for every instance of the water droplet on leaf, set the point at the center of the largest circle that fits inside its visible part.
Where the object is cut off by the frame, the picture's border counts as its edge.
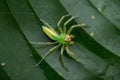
(92, 17)
(3, 64)
(92, 34)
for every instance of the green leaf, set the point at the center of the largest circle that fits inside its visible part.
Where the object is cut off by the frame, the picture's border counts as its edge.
(96, 46)
(27, 21)
(110, 9)
(15, 54)
(106, 37)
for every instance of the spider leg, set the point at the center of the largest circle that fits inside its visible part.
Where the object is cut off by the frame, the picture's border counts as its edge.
(74, 26)
(46, 24)
(60, 21)
(48, 53)
(71, 54)
(69, 20)
(63, 63)
(46, 43)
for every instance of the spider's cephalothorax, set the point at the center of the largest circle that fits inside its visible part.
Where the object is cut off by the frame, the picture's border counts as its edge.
(61, 40)
(65, 39)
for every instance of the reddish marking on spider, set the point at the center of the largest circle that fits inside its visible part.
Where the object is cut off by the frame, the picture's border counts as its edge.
(68, 38)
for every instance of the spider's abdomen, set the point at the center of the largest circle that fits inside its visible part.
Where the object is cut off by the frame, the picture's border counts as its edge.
(51, 33)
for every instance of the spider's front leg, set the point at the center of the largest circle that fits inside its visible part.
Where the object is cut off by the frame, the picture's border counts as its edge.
(48, 53)
(60, 21)
(67, 22)
(75, 26)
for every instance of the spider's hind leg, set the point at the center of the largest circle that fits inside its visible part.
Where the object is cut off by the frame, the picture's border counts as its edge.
(63, 63)
(46, 24)
(48, 53)
(44, 43)
(71, 54)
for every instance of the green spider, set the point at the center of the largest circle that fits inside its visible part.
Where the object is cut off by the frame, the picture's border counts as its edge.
(60, 40)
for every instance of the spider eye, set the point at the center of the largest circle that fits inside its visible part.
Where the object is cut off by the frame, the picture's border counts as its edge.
(68, 38)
